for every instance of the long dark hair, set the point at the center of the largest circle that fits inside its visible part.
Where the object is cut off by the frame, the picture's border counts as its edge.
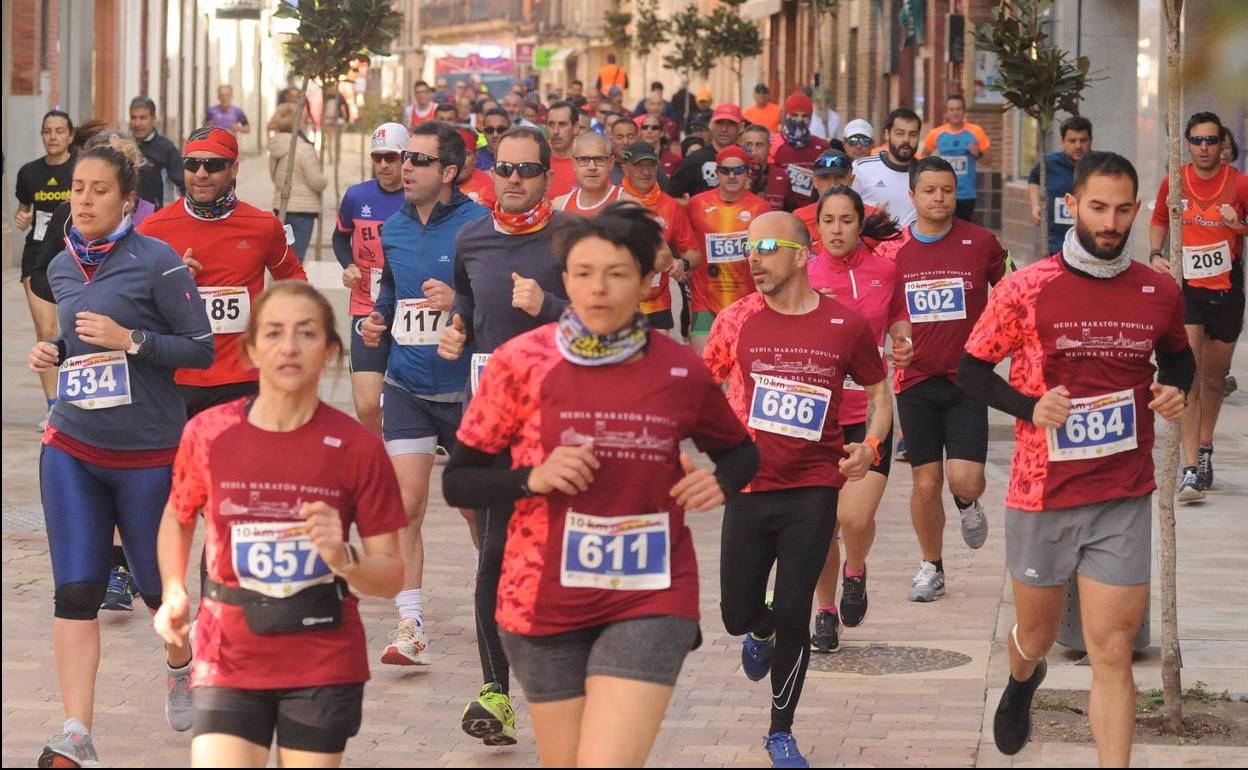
(879, 226)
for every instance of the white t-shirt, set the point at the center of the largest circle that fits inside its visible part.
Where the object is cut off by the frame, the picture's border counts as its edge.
(830, 131)
(885, 187)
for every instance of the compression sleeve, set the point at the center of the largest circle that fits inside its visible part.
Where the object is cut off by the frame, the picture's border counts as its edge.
(342, 248)
(474, 479)
(735, 467)
(1177, 369)
(977, 378)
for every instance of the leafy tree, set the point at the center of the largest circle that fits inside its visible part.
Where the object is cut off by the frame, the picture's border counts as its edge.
(333, 36)
(691, 52)
(649, 32)
(732, 37)
(1036, 77)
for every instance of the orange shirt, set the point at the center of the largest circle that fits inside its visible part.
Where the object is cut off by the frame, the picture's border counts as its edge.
(768, 116)
(1210, 246)
(723, 277)
(480, 187)
(680, 239)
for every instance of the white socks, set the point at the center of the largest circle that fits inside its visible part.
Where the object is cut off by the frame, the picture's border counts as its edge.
(408, 604)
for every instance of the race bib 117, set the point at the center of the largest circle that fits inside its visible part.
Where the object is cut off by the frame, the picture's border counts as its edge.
(417, 322)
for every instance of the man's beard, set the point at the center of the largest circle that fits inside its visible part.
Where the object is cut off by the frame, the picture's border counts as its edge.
(896, 151)
(1088, 241)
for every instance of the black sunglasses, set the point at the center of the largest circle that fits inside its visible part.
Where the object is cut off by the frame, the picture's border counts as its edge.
(388, 157)
(419, 159)
(525, 170)
(858, 140)
(732, 170)
(494, 130)
(1199, 140)
(214, 165)
(651, 127)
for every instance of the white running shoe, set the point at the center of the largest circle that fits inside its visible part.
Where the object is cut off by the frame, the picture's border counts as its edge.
(928, 584)
(408, 645)
(974, 525)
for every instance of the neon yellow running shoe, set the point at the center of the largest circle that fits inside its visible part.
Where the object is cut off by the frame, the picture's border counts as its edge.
(490, 717)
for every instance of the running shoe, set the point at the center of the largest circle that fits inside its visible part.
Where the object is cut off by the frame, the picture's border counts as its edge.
(119, 596)
(928, 583)
(1011, 727)
(899, 453)
(1204, 468)
(974, 525)
(756, 655)
(71, 747)
(408, 645)
(783, 750)
(854, 599)
(440, 455)
(490, 717)
(825, 639)
(179, 710)
(1189, 487)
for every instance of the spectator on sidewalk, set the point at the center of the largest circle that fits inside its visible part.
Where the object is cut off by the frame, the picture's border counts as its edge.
(609, 75)
(306, 184)
(162, 171)
(225, 115)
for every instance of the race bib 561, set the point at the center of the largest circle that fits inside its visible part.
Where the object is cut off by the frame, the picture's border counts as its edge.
(95, 380)
(277, 560)
(940, 299)
(725, 247)
(788, 407)
(618, 553)
(1097, 426)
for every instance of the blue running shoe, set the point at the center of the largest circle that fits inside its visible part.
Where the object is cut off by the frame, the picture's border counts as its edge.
(120, 592)
(783, 750)
(756, 655)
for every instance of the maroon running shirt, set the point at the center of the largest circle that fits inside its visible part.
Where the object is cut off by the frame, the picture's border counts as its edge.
(785, 377)
(944, 288)
(251, 484)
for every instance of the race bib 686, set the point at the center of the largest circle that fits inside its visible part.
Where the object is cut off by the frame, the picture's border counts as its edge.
(788, 407)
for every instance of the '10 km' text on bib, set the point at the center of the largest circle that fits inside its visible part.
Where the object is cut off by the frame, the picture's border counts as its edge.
(417, 322)
(788, 407)
(1097, 426)
(618, 553)
(725, 247)
(95, 380)
(278, 559)
(228, 308)
(940, 299)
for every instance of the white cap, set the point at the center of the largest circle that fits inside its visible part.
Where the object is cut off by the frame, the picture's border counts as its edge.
(390, 137)
(859, 127)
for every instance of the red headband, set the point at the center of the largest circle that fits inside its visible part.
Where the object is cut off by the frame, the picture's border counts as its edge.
(218, 141)
(733, 151)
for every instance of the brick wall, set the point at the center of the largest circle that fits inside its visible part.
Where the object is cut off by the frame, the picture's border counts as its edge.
(105, 76)
(26, 22)
(51, 42)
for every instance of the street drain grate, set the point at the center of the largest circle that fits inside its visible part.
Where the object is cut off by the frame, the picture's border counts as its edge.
(885, 659)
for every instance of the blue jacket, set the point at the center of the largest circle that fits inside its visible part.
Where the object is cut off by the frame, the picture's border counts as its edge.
(416, 252)
(1059, 179)
(142, 285)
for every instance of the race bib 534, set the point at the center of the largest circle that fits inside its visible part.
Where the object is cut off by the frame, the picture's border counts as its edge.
(95, 380)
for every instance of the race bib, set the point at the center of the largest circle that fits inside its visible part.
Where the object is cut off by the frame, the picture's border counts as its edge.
(1097, 426)
(479, 360)
(725, 247)
(290, 235)
(95, 380)
(374, 283)
(616, 553)
(788, 407)
(417, 322)
(42, 218)
(940, 299)
(1061, 214)
(801, 179)
(1206, 261)
(959, 163)
(277, 560)
(228, 308)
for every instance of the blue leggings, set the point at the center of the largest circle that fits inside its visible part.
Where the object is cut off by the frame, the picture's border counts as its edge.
(82, 503)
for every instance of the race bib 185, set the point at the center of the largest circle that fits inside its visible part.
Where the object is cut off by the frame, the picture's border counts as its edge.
(276, 560)
(725, 247)
(417, 322)
(940, 299)
(228, 308)
(618, 553)
(788, 407)
(1206, 261)
(95, 380)
(1097, 426)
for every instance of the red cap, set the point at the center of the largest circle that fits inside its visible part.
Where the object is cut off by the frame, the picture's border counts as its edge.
(215, 140)
(469, 135)
(727, 111)
(798, 102)
(733, 151)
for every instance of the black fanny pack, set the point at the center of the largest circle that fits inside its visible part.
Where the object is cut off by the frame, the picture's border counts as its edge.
(315, 608)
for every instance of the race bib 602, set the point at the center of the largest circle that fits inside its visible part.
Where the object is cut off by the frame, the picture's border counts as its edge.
(940, 299)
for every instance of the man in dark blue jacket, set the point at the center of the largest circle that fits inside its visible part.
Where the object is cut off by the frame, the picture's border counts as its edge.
(1059, 169)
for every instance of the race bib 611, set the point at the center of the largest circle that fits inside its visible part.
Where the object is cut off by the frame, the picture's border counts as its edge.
(277, 560)
(940, 299)
(618, 553)
(788, 407)
(1097, 426)
(725, 247)
(95, 380)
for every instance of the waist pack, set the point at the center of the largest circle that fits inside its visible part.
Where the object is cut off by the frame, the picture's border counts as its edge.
(315, 608)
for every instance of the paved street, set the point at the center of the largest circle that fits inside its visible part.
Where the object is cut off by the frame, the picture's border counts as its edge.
(900, 714)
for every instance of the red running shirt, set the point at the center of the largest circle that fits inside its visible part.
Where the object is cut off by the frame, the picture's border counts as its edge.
(565, 177)
(723, 277)
(480, 187)
(225, 465)
(531, 401)
(943, 286)
(1096, 337)
(753, 346)
(680, 239)
(572, 202)
(1203, 226)
(235, 252)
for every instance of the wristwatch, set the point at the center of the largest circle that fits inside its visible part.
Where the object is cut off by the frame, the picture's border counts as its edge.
(1156, 253)
(874, 443)
(353, 560)
(137, 338)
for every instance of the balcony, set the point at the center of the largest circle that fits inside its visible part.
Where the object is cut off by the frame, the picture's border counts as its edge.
(444, 13)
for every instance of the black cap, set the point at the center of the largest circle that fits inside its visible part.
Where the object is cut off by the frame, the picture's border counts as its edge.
(833, 163)
(639, 151)
(762, 88)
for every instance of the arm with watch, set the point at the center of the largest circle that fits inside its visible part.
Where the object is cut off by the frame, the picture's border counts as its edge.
(377, 572)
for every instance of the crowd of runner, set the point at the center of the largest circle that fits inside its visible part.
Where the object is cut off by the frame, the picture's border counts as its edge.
(555, 295)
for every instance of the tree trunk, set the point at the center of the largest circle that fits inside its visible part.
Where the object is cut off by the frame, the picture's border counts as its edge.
(294, 145)
(1171, 660)
(1042, 232)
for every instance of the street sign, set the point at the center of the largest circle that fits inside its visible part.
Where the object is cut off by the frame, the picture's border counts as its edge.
(524, 54)
(542, 57)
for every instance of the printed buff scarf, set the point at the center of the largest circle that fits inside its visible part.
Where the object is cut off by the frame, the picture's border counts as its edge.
(1078, 257)
(525, 222)
(579, 345)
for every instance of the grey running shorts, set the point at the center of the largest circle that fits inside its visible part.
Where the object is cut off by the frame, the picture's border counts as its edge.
(1110, 542)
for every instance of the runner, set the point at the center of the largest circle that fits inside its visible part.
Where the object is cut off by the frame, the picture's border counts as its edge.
(641, 183)
(943, 272)
(864, 280)
(1059, 179)
(560, 121)
(883, 180)
(226, 115)
(650, 129)
(1215, 204)
(785, 353)
(622, 132)
(279, 565)
(963, 144)
(423, 396)
(357, 247)
(472, 181)
(228, 244)
(697, 172)
(798, 150)
(578, 425)
(859, 136)
(507, 282)
(1080, 329)
(769, 181)
(765, 112)
(831, 169)
(494, 123)
(720, 218)
(593, 161)
(127, 323)
(162, 170)
(422, 108)
(42, 185)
